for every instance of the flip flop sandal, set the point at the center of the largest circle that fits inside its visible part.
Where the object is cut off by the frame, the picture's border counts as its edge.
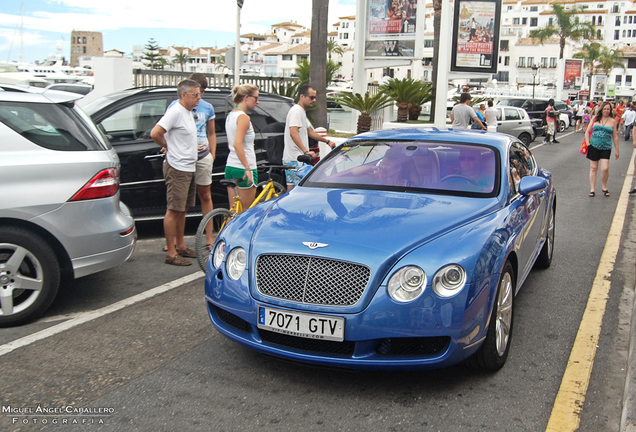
(187, 253)
(177, 261)
(591, 194)
(606, 193)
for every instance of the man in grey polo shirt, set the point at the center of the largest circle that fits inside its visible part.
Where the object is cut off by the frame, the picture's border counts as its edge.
(463, 112)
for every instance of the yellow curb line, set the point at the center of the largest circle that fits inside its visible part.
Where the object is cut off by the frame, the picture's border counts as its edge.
(571, 396)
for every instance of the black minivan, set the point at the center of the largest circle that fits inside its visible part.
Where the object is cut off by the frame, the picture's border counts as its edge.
(536, 108)
(127, 117)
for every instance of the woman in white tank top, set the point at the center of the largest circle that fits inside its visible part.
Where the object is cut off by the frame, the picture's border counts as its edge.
(241, 161)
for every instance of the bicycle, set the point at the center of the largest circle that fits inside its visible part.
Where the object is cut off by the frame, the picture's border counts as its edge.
(217, 219)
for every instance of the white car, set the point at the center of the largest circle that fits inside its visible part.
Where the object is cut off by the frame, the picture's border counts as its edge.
(60, 214)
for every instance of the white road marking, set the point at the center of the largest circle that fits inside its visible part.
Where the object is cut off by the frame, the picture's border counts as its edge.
(84, 317)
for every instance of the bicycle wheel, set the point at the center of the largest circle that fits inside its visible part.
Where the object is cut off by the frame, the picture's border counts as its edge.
(279, 189)
(214, 221)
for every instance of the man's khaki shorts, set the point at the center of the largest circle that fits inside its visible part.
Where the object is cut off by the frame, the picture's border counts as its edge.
(180, 188)
(203, 174)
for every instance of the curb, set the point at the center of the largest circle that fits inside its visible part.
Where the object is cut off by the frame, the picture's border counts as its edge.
(628, 417)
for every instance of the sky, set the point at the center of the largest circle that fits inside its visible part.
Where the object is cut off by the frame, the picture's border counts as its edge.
(47, 24)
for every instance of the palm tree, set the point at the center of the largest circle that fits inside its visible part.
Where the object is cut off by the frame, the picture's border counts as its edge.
(567, 26)
(404, 92)
(366, 105)
(599, 58)
(180, 59)
(424, 95)
(334, 48)
(318, 53)
(220, 63)
(304, 69)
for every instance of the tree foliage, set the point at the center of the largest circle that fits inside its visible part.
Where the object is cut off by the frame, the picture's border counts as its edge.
(567, 26)
(303, 69)
(404, 92)
(334, 48)
(151, 54)
(366, 105)
(180, 59)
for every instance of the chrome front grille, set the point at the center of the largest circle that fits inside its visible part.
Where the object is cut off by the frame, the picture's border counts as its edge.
(311, 280)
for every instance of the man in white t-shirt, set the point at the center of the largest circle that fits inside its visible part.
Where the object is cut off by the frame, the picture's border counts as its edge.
(298, 129)
(176, 131)
(462, 113)
(491, 116)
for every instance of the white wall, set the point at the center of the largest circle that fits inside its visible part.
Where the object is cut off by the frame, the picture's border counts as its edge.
(111, 75)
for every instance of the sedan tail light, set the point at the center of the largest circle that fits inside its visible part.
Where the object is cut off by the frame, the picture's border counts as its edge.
(103, 185)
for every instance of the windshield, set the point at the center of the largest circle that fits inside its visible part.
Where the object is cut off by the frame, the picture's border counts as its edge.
(413, 166)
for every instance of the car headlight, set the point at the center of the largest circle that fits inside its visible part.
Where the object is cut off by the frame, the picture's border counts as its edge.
(219, 254)
(449, 280)
(407, 284)
(236, 262)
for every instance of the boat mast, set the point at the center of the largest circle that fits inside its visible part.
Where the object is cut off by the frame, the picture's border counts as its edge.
(21, 32)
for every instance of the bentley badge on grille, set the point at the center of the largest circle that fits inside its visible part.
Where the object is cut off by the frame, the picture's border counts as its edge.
(314, 245)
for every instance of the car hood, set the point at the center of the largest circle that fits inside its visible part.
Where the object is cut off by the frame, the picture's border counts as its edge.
(350, 225)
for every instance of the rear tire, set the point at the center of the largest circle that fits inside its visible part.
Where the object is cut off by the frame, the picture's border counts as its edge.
(29, 276)
(279, 188)
(544, 260)
(525, 138)
(217, 219)
(493, 353)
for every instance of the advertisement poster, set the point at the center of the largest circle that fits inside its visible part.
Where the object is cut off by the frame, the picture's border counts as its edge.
(573, 74)
(599, 87)
(391, 28)
(476, 36)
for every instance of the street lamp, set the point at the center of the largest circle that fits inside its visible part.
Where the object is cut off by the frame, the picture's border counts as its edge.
(535, 69)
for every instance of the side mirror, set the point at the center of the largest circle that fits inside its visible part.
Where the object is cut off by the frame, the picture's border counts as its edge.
(532, 185)
(303, 171)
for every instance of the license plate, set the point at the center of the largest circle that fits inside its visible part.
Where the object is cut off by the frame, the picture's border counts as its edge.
(312, 326)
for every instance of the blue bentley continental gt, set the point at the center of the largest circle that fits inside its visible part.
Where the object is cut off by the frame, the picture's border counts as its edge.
(402, 249)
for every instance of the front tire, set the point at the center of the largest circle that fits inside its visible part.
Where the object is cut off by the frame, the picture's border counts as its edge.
(210, 226)
(29, 276)
(493, 353)
(561, 126)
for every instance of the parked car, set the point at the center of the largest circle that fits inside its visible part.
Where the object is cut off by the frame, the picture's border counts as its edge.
(81, 89)
(516, 122)
(127, 117)
(536, 109)
(60, 214)
(401, 249)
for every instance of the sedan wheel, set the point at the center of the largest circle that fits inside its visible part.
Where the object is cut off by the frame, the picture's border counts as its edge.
(526, 139)
(29, 276)
(545, 256)
(561, 126)
(494, 351)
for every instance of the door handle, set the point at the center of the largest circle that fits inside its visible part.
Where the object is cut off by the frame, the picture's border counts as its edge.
(155, 156)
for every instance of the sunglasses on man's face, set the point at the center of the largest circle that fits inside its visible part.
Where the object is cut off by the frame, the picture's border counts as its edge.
(310, 97)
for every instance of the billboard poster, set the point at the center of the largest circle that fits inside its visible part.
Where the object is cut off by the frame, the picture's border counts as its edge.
(573, 74)
(599, 87)
(391, 28)
(476, 36)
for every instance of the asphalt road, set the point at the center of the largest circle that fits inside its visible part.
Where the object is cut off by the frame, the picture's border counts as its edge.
(157, 364)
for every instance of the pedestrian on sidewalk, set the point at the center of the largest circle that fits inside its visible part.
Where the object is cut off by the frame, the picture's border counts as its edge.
(628, 119)
(620, 109)
(600, 136)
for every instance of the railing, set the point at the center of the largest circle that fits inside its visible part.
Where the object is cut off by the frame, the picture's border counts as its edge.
(159, 78)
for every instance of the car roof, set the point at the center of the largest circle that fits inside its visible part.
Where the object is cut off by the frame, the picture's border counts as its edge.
(433, 134)
(52, 96)
(101, 102)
